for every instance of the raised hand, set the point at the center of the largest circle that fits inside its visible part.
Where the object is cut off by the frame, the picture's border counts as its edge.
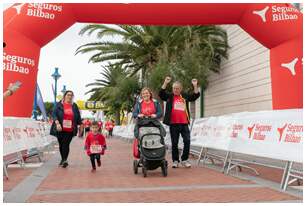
(194, 82)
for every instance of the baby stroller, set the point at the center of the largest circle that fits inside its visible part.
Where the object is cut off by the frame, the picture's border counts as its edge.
(151, 146)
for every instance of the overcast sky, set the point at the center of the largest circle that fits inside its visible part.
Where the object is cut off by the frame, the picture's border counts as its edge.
(75, 70)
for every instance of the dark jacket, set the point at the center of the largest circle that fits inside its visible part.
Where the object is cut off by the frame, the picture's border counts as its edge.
(168, 97)
(58, 114)
(137, 109)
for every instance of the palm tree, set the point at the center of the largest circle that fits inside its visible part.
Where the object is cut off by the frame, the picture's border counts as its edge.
(142, 47)
(115, 90)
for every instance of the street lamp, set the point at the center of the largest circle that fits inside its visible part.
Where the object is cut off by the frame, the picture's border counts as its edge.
(55, 76)
(64, 89)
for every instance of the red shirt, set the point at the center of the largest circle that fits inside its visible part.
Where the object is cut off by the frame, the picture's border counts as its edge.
(109, 125)
(68, 118)
(179, 111)
(100, 124)
(147, 108)
(87, 123)
(92, 139)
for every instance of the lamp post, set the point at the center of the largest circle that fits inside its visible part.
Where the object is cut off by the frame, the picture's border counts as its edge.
(64, 89)
(34, 113)
(55, 76)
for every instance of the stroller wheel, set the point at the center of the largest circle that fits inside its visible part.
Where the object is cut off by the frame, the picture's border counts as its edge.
(144, 171)
(135, 166)
(164, 167)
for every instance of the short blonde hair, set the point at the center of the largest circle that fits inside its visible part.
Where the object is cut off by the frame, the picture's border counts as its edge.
(147, 89)
(177, 83)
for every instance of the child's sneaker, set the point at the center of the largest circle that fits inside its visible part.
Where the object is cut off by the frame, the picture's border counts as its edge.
(93, 169)
(99, 163)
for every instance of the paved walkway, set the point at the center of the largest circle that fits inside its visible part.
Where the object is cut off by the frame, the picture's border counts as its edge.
(116, 182)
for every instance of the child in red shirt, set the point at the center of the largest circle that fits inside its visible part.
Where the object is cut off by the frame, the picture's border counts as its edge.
(95, 145)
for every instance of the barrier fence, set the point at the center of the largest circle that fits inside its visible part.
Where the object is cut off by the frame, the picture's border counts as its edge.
(24, 137)
(275, 134)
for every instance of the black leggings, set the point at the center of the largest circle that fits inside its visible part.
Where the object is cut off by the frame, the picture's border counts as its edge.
(64, 139)
(93, 157)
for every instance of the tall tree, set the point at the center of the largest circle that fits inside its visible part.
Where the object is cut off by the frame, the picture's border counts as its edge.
(116, 89)
(142, 48)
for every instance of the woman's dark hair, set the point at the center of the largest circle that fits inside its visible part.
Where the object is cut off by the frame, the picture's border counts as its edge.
(66, 92)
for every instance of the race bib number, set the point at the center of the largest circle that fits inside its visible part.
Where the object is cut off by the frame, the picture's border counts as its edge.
(95, 149)
(179, 106)
(67, 124)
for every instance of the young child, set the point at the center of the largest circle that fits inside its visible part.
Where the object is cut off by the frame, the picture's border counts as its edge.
(95, 145)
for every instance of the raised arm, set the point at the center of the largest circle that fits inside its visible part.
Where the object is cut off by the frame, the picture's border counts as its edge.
(196, 93)
(162, 93)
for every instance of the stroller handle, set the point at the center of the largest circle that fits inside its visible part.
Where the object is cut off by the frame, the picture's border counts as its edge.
(146, 117)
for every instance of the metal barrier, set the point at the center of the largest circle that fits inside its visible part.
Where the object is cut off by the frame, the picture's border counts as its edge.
(21, 155)
(296, 174)
(230, 162)
(12, 158)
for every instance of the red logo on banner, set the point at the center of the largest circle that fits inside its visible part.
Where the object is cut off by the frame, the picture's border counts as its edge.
(258, 130)
(292, 133)
(250, 129)
(281, 131)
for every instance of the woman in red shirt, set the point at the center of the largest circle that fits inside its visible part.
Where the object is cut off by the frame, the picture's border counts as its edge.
(66, 118)
(145, 107)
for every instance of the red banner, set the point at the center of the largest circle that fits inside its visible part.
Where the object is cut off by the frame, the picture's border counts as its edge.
(29, 26)
(20, 64)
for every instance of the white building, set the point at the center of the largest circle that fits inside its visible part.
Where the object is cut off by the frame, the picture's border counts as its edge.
(244, 83)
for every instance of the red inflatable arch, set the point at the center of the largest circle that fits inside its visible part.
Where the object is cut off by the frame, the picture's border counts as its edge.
(30, 26)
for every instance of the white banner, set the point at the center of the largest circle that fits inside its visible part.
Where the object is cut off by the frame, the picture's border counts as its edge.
(273, 134)
(276, 134)
(23, 134)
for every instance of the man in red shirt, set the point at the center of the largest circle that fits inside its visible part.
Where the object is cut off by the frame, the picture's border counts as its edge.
(177, 117)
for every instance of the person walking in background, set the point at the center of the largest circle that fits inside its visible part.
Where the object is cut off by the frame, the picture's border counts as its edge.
(100, 125)
(95, 145)
(109, 126)
(66, 118)
(177, 116)
(87, 124)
